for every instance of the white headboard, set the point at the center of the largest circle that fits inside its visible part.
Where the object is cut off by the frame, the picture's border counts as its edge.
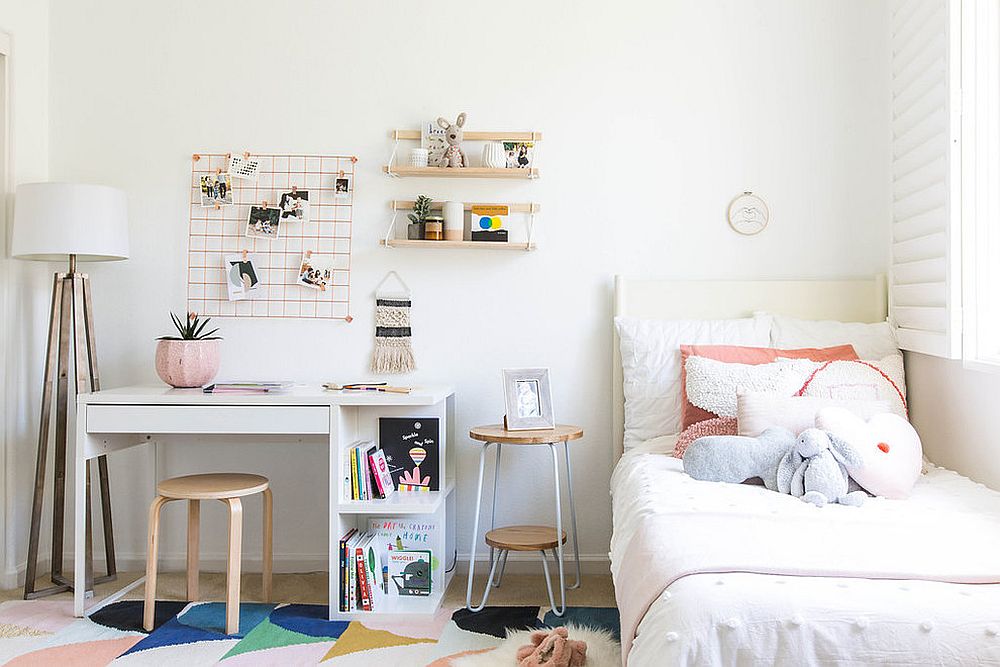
(863, 300)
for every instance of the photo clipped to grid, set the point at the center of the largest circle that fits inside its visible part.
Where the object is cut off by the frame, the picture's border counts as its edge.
(279, 227)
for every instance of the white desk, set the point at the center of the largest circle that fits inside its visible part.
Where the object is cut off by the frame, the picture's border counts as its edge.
(111, 420)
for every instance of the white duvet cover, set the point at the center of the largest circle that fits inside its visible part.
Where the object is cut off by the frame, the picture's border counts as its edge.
(749, 619)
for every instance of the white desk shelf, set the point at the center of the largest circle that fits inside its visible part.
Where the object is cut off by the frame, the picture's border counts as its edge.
(117, 419)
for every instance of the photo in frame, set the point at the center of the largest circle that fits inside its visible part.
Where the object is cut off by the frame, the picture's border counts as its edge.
(528, 399)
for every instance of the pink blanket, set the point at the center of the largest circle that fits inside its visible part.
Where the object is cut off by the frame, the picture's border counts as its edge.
(679, 527)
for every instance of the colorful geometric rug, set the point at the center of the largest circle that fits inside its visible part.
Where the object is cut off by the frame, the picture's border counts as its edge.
(42, 633)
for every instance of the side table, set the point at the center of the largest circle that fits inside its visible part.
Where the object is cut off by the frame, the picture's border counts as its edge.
(524, 538)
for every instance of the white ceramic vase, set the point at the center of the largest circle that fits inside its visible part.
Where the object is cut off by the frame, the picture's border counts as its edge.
(493, 155)
(454, 220)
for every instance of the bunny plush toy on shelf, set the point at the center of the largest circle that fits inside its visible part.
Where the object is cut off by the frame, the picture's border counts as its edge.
(454, 156)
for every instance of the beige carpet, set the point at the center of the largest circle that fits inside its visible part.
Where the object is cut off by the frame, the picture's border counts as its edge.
(596, 590)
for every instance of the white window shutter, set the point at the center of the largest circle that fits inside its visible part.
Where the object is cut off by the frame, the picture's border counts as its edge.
(925, 272)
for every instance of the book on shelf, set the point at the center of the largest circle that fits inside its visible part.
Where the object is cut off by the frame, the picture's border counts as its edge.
(367, 476)
(410, 572)
(403, 534)
(344, 579)
(411, 448)
(380, 474)
(363, 582)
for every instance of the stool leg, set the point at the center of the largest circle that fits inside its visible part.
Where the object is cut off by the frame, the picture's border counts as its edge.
(559, 541)
(194, 536)
(233, 567)
(475, 536)
(572, 513)
(152, 544)
(268, 543)
(548, 585)
(503, 566)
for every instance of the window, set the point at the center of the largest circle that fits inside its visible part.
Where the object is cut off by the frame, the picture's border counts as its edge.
(980, 48)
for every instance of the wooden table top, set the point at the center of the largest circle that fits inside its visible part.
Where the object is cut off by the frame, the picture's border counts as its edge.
(497, 433)
(524, 538)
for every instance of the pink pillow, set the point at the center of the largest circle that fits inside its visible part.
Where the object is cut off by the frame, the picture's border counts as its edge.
(754, 356)
(716, 426)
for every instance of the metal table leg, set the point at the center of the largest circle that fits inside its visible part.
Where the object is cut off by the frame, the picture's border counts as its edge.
(475, 533)
(572, 511)
(559, 542)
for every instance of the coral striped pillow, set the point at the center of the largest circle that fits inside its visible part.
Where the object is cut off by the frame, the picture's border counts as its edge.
(753, 356)
(716, 426)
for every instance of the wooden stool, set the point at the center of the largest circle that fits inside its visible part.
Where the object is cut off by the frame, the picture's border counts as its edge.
(502, 541)
(229, 488)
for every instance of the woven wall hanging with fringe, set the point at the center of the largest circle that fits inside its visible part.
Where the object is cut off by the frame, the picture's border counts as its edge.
(393, 350)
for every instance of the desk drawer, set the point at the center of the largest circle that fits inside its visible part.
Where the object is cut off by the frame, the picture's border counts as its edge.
(235, 419)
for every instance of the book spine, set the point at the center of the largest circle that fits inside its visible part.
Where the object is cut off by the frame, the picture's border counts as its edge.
(340, 574)
(363, 473)
(382, 469)
(352, 581)
(373, 465)
(354, 475)
(364, 592)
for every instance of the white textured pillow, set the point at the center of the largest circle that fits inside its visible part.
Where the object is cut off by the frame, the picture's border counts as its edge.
(880, 380)
(870, 341)
(714, 385)
(758, 412)
(651, 365)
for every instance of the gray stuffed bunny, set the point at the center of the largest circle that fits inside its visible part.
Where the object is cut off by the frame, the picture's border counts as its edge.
(815, 469)
(453, 156)
(737, 458)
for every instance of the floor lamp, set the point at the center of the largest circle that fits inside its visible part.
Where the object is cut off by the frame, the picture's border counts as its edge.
(78, 223)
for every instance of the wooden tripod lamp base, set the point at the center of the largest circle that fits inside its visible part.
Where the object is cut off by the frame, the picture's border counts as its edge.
(71, 334)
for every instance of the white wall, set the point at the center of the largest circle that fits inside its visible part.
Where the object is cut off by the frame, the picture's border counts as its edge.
(953, 409)
(655, 115)
(24, 286)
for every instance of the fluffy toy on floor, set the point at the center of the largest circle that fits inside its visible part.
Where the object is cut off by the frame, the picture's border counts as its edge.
(602, 649)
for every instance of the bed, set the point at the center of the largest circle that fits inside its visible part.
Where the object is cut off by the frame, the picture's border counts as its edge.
(709, 573)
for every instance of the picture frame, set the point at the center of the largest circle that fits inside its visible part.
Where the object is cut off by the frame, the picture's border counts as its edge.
(528, 399)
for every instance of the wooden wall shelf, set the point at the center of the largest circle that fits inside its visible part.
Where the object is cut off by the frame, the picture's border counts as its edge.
(407, 205)
(460, 172)
(414, 135)
(476, 245)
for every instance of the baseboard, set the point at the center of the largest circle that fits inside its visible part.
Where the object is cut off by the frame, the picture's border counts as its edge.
(518, 563)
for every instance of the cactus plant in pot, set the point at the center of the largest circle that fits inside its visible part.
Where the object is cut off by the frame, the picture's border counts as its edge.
(418, 219)
(190, 359)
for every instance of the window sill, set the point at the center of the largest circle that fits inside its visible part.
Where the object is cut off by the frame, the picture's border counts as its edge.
(982, 365)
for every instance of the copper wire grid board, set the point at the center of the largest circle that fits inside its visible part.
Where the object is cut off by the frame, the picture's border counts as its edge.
(214, 233)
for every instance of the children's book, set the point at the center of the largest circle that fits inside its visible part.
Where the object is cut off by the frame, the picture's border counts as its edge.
(380, 474)
(410, 573)
(344, 581)
(411, 447)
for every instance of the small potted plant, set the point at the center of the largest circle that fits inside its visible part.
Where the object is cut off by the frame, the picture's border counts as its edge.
(418, 219)
(190, 359)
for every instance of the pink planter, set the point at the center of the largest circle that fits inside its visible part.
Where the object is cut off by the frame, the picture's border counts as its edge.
(187, 363)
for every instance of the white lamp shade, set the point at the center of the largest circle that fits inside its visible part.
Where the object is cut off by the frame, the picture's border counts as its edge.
(55, 220)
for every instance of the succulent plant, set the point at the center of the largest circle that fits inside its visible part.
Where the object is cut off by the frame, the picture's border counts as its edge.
(192, 329)
(421, 209)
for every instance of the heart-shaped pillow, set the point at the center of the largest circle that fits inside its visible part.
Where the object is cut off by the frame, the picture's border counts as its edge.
(888, 445)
